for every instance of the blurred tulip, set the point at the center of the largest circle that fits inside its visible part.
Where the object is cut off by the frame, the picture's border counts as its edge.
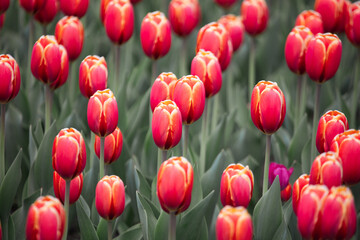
(234, 223)
(310, 19)
(189, 96)
(45, 210)
(135, 1)
(286, 193)
(347, 146)
(282, 172)
(49, 62)
(102, 113)
(69, 32)
(162, 89)
(298, 189)
(207, 67)
(93, 75)
(46, 14)
(330, 124)
(4, 5)
(155, 35)
(236, 185)
(215, 38)
(323, 57)
(255, 16)
(112, 148)
(119, 21)
(2, 20)
(103, 6)
(59, 184)
(110, 197)
(76, 8)
(327, 170)
(69, 153)
(295, 48)
(32, 6)
(0, 232)
(352, 27)
(235, 27)
(184, 15)
(268, 107)
(10, 78)
(333, 13)
(225, 3)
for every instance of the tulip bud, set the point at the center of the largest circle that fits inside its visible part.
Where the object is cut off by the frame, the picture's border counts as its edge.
(268, 107)
(255, 15)
(32, 6)
(353, 24)
(76, 8)
(59, 184)
(225, 3)
(4, 5)
(236, 186)
(103, 6)
(69, 153)
(112, 148)
(330, 124)
(166, 125)
(327, 170)
(162, 89)
(49, 62)
(310, 19)
(207, 67)
(174, 185)
(347, 146)
(333, 13)
(69, 32)
(102, 113)
(110, 197)
(93, 74)
(184, 15)
(234, 25)
(46, 14)
(295, 48)
(286, 193)
(323, 57)
(45, 210)
(234, 223)
(119, 21)
(10, 78)
(189, 96)
(155, 35)
(298, 188)
(215, 38)
(282, 172)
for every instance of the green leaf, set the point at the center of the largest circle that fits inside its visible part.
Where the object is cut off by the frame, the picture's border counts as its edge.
(90, 181)
(33, 147)
(306, 157)
(87, 230)
(162, 226)
(142, 184)
(147, 217)
(102, 229)
(11, 229)
(282, 232)
(299, 140)
(133, 233)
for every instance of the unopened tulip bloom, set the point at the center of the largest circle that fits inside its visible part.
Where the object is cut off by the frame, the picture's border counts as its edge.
(32, 6)
(110, 197)
(327, 170)
(255, 15)
(59, 184)
(298, 188)
(102, 113)
(46, 14)
(282, 172)
(162, 88)
(310, 19)
(334, 14)
(236, 186)
(76, 8)
(225, 3)
(174, 185)
(69, 32)
(45, 219)
(189, 96)
(155, 35)
(103, 6)
(184, 15)
(286, 193)
(112, 148)
(235, 27)
(10, 78)
(50, 62)
(234, 223)
(353, 24)
(295, 48)
(93, 74)
(330, 124)
(347, 146)
(69, 153)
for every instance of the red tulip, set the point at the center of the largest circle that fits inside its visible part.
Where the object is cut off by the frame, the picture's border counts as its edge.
(103, 6)
(295, 48)
(10, 78)
(268, 107)
(255, 15)
(45, 219)
(286, 193)
(0, 232)
(225, 3)
(235, 27)
(330, 124)
(4, 5)
(69, 153)
(333, 13)
(110, 197)
(327, 170)
(2, 20)
(93, 74)
(49, 62)
(298, 189)
(69, 32)
(46, 14)
(276, 169)
(310, 19)
(32, 6)
(112, 148)
(189, 96)
(59, 184)
(174, 185)
(234, 223)
(119, 21)
(353, 24)
(155, 35)
(102, 113)
(76, 8)
(162, 89)
(323, 57)
(135, 1)
(184, 15)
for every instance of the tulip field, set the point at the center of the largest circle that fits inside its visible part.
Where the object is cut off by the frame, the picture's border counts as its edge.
(179, 119)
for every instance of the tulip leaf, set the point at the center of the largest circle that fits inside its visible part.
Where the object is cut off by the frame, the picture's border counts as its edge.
(89, 183)
(162, 226)
(102, 229)
(87, 230)
(299, 140)
(147, 217)
(33, 147)
(142, 184)
(282, 232)
(133, 233)
(306, 160)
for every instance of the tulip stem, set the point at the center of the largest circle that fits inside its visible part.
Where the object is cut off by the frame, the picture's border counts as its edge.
(162, 156)
(215, 111)
(355, 95)
(153, 71)
(102, 143)
(183, 52)
(315, 120)
(303, 96)
(298, 101)
(251, 66)
(44, 29)
(2, 143)
(172, 226)
(48, 106)
(117, 70)
(67, 198)
(71, 83)
(185, 139)
(203, 140)
(109, 230)
(266, 165)
(30, 47)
